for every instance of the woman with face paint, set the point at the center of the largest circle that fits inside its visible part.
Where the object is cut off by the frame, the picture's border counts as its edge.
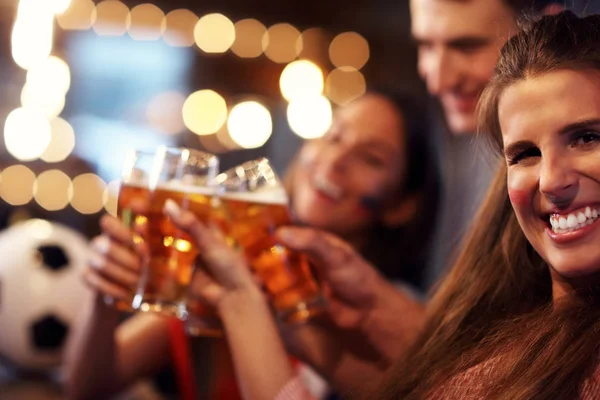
(370, 180)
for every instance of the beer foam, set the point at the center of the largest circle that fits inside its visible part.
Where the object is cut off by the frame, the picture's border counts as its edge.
(175, 186)
(275, 196)
(182, 187)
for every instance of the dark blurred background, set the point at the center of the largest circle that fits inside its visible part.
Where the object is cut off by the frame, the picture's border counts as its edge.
(119, 74)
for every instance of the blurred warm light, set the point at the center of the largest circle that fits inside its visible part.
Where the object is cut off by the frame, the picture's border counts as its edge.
(225, 140)
(180, 26)
(112, 18)
(16, 185)
(80, 15)
(313, 45)
(214, 33)
(110, 197)
(51, 190)
(147, 22)
(349, 49)
(212, 144)
(248, 38)
(309, 117)
(49, 103)
(59, 6)
(52, 75)
(250, 124)
(344, 85)
(301, 78)
(26, 134)
(280, 43)
(87, 193)
(204, 112)
(164, 112)
(62, 141)
(32, 36)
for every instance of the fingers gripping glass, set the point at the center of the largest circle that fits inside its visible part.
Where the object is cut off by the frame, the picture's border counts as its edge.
(184, 176)
(132, 203)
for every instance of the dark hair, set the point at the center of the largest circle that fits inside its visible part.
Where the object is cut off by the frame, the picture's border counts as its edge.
(528, 6)
(401, 252)
(496, 303)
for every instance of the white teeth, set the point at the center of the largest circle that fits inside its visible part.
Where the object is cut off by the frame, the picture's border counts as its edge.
(328, 188)
(562, 223)
(574, 221)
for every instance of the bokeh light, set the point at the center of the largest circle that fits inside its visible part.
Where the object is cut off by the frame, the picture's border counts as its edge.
(212, 143)
(80, 15)
(51, 190)
(32, 36)
(250, 124)
(248, 38)
(280, 43)
(49, 103)
(301, 78)
(59, 6)
(164, 112)
(16, 185)
(180, 26)
(50, 75)
(349, 49)
(147, 22)
(87, 193)
(26, 134)
(110, 198)
(204, 112)
(344, 85)
(313, 45)
(214, 33)
(62, 141)
(112, 18)
(309, 117)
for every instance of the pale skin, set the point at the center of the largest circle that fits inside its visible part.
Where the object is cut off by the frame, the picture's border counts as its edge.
(551, 133)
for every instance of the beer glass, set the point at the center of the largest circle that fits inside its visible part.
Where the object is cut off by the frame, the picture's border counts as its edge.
(256, 204)
(133, 200)
(184, 176)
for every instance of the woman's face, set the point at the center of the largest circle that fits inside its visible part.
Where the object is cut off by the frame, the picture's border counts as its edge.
(361, 156)
(551, 132)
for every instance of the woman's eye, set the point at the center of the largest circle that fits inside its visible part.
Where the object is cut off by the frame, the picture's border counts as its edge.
(524, 155)
(373, 160)
(585, 138)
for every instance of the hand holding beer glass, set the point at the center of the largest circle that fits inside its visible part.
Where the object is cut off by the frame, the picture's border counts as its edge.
(184, 176)
(255, 204)
(133, 203)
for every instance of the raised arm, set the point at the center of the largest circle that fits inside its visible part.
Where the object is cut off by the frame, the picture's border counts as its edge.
(371, 322)
(261, 362)
(104, 356)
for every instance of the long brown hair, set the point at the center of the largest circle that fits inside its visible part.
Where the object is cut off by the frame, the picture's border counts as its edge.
(496, 302)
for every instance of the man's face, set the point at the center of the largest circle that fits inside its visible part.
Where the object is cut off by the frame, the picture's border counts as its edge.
(459, 42)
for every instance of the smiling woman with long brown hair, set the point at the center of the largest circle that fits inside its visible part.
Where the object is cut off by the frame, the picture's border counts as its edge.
(518, 317)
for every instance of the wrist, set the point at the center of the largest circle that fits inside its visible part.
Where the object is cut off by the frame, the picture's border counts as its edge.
(241, 302)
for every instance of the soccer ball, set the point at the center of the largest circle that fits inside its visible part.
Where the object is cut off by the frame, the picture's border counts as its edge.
(41, 291)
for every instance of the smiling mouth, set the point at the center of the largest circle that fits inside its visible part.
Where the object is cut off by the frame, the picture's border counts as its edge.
(572, 221)
(328, 188)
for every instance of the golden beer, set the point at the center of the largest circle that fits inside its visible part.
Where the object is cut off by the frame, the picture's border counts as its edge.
(168, 272)
(252, 219)
(133, 219)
